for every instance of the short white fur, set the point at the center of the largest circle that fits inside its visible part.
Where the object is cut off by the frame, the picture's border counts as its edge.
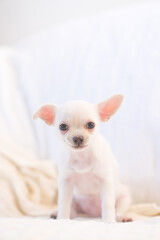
(88, 172)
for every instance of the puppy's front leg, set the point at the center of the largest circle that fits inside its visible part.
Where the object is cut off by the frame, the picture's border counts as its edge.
(108, 201)
(64, 198)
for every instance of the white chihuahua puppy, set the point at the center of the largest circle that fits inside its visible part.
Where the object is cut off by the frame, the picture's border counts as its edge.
(88, 172)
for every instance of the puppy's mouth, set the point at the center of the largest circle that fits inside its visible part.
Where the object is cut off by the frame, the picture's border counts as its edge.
(79, 146)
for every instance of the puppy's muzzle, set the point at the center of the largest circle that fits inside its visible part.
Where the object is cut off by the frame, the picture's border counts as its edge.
(78, 140)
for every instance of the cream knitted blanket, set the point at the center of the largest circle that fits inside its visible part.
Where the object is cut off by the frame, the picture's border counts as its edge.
(27, 186)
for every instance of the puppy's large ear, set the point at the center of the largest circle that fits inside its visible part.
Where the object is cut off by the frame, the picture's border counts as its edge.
(46, 113)
(107, 108)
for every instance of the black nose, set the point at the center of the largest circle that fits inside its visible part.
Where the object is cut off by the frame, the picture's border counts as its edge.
(78, 140)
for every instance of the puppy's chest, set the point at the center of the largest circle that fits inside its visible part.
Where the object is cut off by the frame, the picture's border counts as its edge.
(83, 162)
(84, 173)
(86, 183)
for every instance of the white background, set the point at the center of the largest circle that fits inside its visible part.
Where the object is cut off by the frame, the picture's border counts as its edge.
(20, 18)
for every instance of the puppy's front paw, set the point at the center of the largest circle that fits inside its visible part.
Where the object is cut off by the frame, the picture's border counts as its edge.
(54, 214)
(124, 219)
(127, 219)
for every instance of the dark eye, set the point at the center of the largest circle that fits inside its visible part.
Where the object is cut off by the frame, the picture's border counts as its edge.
(63, 127)
(90, 125)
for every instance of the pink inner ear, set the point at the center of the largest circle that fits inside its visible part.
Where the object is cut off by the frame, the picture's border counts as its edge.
(46, 113)
(109, 107)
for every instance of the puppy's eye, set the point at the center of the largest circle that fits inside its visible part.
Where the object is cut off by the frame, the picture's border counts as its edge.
(63, 127)
(90, 125)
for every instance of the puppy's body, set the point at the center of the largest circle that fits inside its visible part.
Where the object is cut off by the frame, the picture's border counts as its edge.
(88, 172)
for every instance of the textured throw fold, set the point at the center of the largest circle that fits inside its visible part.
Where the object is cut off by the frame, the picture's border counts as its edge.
(27, 186)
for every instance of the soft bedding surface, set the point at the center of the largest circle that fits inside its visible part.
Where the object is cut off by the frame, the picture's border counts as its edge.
(48, 229)
(29, 187)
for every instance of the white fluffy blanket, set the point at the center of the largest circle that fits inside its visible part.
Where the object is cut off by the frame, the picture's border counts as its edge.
(28, 187)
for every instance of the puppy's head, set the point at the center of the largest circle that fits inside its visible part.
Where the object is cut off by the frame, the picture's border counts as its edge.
(77, 122)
